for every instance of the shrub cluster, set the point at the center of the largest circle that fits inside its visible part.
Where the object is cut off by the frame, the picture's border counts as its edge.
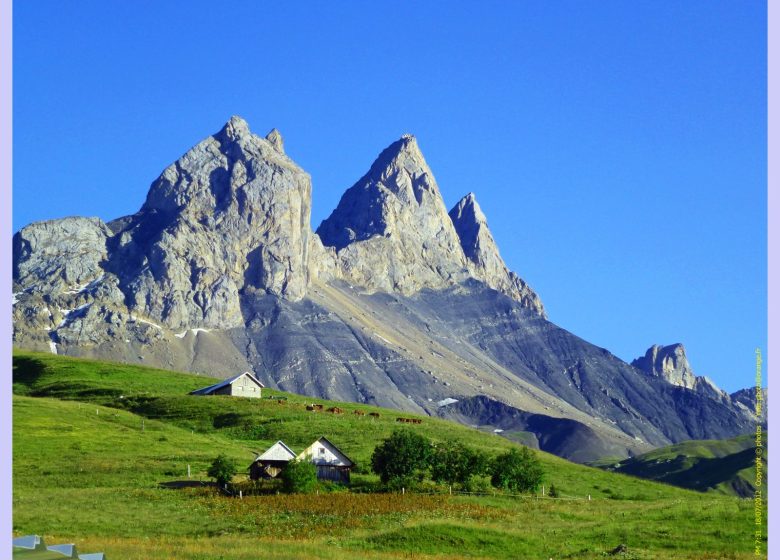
(405, 459)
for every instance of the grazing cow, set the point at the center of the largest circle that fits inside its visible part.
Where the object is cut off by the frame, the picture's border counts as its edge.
(373, 414)
(317, 407)
(335, 410)
(309, 407)
(360, 413)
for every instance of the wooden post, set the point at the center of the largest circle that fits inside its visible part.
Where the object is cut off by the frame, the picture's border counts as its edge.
(143, 425)
(188, 471)
(542, 490)
(588, 497)
(97, 411)
(240, 494)
(450, 490)
(403, 491)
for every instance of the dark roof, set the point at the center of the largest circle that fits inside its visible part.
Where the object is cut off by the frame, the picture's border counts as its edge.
(225, 383)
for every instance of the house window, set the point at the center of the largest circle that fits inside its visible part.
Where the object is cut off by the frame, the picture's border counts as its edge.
(322, 451)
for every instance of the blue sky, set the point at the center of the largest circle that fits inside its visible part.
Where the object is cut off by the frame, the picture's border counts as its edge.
(618, 149)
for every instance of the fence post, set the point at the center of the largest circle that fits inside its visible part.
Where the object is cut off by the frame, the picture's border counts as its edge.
(403, 491)
(240, 494)
(188, 471)
(588, 497)
(450, 490)
(542, 490)
(143, 426)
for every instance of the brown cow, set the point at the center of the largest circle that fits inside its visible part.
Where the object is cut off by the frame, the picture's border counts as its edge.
(374, 414)
(360, 413)
(309, 407)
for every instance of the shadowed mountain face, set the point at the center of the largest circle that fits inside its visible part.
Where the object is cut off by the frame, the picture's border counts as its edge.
(394, 301)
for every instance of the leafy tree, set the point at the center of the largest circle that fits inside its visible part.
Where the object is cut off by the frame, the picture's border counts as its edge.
(519, 471)
(553, 493)
(454, 463)
(222, 469)
(400, 457)
(299, 477)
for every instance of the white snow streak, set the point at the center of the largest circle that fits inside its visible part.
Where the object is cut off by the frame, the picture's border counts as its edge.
(196, 331)
(137, 320)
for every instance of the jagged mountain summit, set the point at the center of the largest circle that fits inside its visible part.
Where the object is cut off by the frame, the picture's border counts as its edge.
(393, 301)
(670, 363)
(482, 255)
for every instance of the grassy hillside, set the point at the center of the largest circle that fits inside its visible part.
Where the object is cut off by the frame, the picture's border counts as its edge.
(722, 466)
(101, 453)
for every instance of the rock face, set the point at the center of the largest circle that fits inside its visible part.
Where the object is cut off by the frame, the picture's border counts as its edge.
(391, 231)
(669, 363)
(231, 215)
(749, 398)
(395, 303)
(481, 250)
(59, 255)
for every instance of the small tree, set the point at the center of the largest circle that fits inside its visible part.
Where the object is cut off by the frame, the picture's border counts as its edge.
(454, 463)
(299, 477)
(553, 493)
(222, 469)
(401, 457)
(519, 471)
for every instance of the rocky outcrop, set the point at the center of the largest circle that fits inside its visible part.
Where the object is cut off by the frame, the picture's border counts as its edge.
(749, 398)
(230, 215)
(669, 363)
(59, 255)
(391, 231)
(481, 251)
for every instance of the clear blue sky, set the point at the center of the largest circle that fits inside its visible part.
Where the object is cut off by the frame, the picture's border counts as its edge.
(618, 149)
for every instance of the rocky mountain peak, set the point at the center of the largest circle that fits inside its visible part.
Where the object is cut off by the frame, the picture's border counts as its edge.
(276, 140)
(481, 251)
(230, 215)
(391, 228)
(235, 129)
(668, 362)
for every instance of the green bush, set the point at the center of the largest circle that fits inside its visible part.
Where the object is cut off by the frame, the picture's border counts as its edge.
(299, 477)
(518, 471)
(454, 463)
(553, 493)
(222, 469)
(401, 459)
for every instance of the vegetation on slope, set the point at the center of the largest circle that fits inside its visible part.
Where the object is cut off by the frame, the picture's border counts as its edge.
(101, 453)
(722, 466)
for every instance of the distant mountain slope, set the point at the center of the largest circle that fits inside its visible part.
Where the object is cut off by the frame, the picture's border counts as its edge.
(723, 466)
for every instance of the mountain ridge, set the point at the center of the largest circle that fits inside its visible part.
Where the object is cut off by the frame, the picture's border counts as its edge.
(392, 301)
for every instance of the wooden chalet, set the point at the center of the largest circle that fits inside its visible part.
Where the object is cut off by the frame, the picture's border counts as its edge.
(243, 385)
(331, 463)
(271, 463)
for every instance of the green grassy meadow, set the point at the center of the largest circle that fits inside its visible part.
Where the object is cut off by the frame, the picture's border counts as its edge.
(720, 466)
(101, 453)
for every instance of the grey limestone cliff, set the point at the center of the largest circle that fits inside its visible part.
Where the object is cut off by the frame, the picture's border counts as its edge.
(391, 231)
(669, 363)
(483, 257)
(230, 215)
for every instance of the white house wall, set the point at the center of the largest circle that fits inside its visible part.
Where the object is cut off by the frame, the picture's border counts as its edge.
(322, 454)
